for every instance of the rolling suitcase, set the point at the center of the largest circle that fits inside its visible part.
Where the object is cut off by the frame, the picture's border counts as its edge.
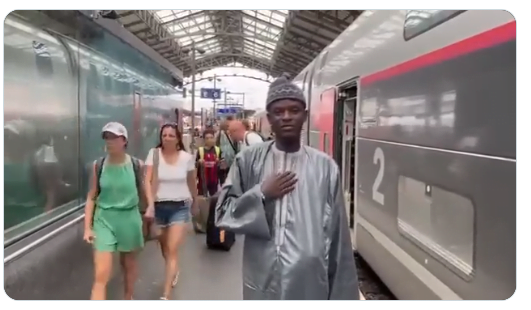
(217, 238)
(199, 221)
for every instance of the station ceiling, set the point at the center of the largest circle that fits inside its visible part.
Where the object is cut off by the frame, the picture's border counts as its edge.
(272, 41)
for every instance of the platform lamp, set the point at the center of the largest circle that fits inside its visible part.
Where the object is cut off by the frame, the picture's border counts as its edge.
(243, 100)
(187, 51)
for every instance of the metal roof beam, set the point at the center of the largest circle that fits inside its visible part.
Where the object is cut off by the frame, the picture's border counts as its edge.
(206, 22)
(260, 21)
(309, 50)
(198, 42)
(155, 27)
(207, 64)
(301, 51)
(292, 57)
(290, 60)
(319, 24)
(260, 60)
(208, 43)
(206, 47)
(228, 34)
(230, 75)
(307, 34)
(184, 18)
(260, 45)
(135, 23)
(147, 29)
(340, 23)
(281, 40)
(127, 14)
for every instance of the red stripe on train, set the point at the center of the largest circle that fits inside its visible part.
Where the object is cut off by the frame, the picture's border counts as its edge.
(480, 41)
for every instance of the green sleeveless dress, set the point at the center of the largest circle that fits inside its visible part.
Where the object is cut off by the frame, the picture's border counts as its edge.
(117, 220)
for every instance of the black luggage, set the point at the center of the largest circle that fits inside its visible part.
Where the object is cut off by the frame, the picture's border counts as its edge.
(217, 238)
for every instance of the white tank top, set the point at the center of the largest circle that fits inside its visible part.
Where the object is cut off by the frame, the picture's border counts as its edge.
(173, 184)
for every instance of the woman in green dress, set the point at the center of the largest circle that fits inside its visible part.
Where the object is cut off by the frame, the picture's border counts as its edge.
(112, 217)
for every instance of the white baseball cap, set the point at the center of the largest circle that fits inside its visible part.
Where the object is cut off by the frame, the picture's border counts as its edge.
(115, 128)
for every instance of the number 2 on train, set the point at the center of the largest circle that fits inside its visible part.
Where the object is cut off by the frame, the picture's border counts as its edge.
(378, 158)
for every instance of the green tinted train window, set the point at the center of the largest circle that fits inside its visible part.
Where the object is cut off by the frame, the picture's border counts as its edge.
(419, 21)
(43, 59)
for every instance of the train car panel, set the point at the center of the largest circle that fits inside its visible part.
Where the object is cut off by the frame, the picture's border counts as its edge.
(449, 98)
(58, 95)
(40, 129)
(444, 214)
(434, 155)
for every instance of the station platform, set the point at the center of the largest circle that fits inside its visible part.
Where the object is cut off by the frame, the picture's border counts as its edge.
(204, 274)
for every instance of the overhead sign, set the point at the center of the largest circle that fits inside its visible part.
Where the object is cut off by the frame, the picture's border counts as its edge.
(228, 111)
(211, 93)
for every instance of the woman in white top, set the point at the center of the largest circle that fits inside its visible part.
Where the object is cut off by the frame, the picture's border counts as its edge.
(168, 191)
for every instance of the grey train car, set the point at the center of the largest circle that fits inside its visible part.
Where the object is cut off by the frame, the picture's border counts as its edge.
(418, 108)
(58, 94)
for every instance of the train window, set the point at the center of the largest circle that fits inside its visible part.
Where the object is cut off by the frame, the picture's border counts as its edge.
(43, 59)
(314, 139)
(369, 111)
(419, 21)
(438, 221)
(326, 143)
(38, 189)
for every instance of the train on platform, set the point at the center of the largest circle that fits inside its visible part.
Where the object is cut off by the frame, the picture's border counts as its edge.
(418, 108)
(58, 94)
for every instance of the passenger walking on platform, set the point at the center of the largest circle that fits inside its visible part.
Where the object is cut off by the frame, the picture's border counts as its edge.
(238, 132)
(112, 217)
(246, 124)
(170, 185)
(228, 147)
(209, 161)
(287, 200)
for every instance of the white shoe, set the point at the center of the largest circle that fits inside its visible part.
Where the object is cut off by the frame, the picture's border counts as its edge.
(175, 280)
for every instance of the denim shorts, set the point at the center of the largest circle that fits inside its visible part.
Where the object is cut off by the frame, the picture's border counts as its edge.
(168, 213)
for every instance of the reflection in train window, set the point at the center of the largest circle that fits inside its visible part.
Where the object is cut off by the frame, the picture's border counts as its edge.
(314, 139)
(369, 111)
(34, 189)
(326, 143)
(43, 60)
(41, 133)
(420, 21)
(439, 221)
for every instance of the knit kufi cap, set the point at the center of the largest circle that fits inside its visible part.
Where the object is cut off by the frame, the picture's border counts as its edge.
(282, 88)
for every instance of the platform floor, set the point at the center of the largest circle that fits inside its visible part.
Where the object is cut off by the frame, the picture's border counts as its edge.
(205, 274)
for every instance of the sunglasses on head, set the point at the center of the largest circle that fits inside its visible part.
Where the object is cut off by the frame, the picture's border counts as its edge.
(170, 124)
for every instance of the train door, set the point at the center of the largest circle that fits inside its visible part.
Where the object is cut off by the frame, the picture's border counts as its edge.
(344, 149)
(305, 137)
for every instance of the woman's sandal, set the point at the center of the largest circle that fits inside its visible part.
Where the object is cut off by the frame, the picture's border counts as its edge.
(175, 280)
